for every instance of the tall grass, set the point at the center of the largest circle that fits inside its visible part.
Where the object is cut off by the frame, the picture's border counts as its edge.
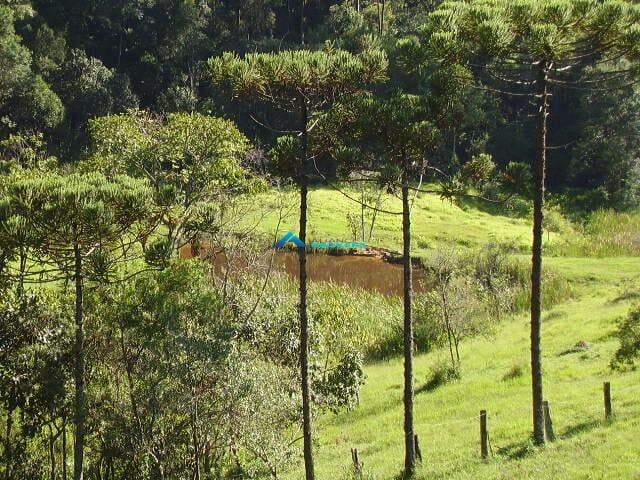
(604, 233)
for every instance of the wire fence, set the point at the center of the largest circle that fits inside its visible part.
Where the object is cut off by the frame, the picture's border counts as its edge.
(443, 447)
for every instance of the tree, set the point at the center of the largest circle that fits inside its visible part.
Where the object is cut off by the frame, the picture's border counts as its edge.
(88, 90)
(605, 159)
(454, 302)
(192, 161)
(399, 136)
(80, 228)
(304, 84)
(26, 101)
(527, 48)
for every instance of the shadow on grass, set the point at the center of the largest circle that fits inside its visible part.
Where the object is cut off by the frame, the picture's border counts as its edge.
(520, 450)
(430, 386)
(582, 427)
(517, 451)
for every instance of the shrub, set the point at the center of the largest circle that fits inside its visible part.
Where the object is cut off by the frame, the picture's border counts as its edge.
(440, 373)
(629, 335)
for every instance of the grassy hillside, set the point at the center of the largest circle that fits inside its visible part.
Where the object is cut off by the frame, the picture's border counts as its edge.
(435, 222)
(495, 373)
(496, 378)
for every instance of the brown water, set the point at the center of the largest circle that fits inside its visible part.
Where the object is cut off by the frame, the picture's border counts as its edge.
(369, 273)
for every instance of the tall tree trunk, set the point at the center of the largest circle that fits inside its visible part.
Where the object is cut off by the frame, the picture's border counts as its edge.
(381, 7)
(301, 20)
(64, 448)
(536, 259)
(410, 455)
(8, 448)
(304, 320)
(196, 440)
(52, 454)
(362, 207)
(79, 413)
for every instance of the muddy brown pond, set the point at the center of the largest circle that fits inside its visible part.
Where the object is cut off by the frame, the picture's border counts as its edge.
(370, 273)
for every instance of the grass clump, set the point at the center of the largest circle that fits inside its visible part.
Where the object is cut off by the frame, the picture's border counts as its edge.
(517, 370)
(440, 373)
(603, 233)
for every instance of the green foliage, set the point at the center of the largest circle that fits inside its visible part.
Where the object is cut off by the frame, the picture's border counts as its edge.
(603, 160)
(539, 28)
(440, 373)
(286, 154)
(26, 100)
(34, 376)
(629, 335)
(170, 337)
(517, 370)
(84, 210)
(453, 308)
(192, 161)
(285, 77)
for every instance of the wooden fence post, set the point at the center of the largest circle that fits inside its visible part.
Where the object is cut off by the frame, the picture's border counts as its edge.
(416, 443)
(484, 435)
(356, 460)
(548, 423)
(608, 412)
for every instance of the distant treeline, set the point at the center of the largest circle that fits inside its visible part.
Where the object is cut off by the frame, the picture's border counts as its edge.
(64, 62)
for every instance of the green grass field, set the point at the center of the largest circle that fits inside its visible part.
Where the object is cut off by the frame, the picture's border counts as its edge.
(435, 222)
(495, 373)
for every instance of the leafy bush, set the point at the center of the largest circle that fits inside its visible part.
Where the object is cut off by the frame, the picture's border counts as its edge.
(629, 335)
(454, 308)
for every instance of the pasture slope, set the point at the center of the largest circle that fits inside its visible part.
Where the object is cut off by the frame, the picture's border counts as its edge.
(578, 344)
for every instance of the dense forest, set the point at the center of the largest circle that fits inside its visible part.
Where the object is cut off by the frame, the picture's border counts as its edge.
(152, 152)
(67, 62)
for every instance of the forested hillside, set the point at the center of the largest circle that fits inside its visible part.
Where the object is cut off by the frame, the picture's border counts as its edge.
(346, 239)
(65, 62)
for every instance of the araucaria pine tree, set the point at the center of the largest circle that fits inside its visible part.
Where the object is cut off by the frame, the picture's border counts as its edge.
(80, 228)
(304, 84)
(532, 49)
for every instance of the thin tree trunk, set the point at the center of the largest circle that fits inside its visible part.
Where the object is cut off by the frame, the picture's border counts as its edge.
(381, 8)
(456, 342)
(8, 447)
(536, 260)
(301, 19)
(196, 441)
(374, 215)
(52, 454)
(64, 449)
(304, 320)
(410, 456)
(447, 324)
(79, 413)
(362, 207)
